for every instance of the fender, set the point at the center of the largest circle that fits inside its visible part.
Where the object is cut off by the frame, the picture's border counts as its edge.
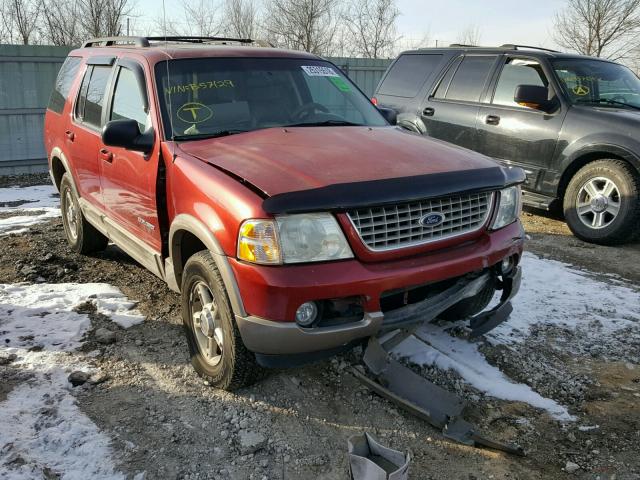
(188, 223)
(618, 145)
(58, 153)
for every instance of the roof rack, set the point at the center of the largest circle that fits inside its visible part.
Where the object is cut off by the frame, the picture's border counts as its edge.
(462, 45)
(146, 41)
(510, 46)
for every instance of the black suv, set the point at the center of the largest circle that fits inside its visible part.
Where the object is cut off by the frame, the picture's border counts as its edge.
(572, 122)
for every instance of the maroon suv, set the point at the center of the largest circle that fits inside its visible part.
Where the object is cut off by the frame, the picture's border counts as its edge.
(293, 216)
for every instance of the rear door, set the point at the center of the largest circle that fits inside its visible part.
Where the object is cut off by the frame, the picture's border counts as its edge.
(518, 135)
(83, 135)
(450, 112)
(128, 178)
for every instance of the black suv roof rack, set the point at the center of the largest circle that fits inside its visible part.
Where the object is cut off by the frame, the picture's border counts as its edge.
(146, 41)
(510, 46)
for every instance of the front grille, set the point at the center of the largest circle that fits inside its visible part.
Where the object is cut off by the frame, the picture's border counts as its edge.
(396, 226)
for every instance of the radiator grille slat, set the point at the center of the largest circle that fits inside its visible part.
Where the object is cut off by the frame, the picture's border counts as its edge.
(396, 226)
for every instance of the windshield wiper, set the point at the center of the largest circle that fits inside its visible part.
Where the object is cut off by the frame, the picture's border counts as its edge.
(608, 101)
(201, 136)
(326, 123)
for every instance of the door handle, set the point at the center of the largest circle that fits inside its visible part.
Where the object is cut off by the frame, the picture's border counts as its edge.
(70, 135)
(106, 155)
(428, 112)
(492, 120)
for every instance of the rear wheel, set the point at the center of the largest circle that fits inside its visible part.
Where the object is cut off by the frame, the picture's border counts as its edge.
(217, 351)
(81, 235)
(602, 204)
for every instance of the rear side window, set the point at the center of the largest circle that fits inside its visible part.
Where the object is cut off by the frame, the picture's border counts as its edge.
(469, 80)
(408, 74)
(127, 100)
(92, 95)
(63, 83)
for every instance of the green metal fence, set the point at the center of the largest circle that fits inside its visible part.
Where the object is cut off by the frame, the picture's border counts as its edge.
(27, 74)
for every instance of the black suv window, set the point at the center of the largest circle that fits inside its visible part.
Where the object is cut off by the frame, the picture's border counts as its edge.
(63, 83)
(469, 79)
(92, 95)
(127, 100)
(408, 74)
(518, 71)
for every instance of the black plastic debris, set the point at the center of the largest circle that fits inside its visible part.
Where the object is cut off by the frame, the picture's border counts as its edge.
(421, 398)
(369, 460)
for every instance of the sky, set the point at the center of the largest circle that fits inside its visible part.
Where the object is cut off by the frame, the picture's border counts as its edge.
(499, 21)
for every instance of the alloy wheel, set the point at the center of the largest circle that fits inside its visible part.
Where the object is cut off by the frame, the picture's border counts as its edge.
(206, 323)
(598, 202)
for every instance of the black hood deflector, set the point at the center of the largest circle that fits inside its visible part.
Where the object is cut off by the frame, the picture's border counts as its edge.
(343, 196)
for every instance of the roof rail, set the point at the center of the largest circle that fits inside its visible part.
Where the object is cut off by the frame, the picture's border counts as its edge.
(462, 45)
(510, 46)
(145, 41)
(111, 41)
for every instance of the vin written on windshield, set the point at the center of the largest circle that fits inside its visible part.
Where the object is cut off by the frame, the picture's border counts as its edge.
(207, 97)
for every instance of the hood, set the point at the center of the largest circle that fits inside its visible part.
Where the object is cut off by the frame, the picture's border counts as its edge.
(279, 160)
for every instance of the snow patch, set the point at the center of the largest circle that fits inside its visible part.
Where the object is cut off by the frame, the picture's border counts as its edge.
(555, 293)
(435, 347)
(43, 432)
(22, 207)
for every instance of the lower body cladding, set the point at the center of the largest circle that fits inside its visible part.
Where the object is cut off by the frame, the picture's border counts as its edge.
(287, 343)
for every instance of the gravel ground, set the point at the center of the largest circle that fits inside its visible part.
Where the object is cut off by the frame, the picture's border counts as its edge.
(164, 421)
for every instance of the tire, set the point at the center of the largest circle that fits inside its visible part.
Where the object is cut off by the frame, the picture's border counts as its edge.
(82, 236)
(227, 365)
(470, 306)
(614, 187)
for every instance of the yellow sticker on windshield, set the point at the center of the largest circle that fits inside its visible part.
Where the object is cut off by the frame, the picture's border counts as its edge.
(194, 112)
(581, 90)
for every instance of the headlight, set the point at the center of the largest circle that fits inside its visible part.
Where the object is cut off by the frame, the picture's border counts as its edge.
(508, 207)
(313, 237)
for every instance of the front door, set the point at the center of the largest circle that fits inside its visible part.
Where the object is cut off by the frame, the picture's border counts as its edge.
(519, 135)
(451, 111)
(128, 178)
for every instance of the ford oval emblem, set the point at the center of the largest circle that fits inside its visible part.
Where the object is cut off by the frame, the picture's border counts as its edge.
(432, 220)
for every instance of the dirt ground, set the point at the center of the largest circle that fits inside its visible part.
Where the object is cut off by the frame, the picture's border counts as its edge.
(163, 420)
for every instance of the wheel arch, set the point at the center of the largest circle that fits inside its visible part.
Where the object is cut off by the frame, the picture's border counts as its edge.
(588, 156)
(187, 236)
(58, 166)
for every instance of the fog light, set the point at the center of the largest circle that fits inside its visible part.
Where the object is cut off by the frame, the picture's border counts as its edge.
(306, 314)
(507, 265)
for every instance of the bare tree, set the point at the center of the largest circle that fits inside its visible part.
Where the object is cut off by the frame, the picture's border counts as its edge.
(5, 24)
(240, 18)
(372, 25)
(21, 19)
(201, 18)
(303, 24)
(60, 22)
(601, 28)
(471, 35)
(103, 18)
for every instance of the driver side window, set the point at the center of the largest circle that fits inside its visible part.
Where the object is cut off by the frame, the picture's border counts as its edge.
(517, 71)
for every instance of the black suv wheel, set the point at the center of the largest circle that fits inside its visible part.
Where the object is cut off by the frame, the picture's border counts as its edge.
(602, 203)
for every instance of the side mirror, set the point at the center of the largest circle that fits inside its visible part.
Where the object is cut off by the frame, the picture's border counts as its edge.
(126, 134)
(389, 114)
(533, 96)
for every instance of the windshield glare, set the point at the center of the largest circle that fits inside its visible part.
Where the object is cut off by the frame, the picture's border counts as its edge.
(598, 82)
(209, 96)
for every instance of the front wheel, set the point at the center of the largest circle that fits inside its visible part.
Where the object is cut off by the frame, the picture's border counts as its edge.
(217, 351)
(602, 203)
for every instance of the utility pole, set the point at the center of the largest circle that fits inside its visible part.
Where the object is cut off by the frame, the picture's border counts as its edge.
(128, 26)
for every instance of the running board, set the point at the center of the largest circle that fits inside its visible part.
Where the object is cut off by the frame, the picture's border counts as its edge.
(421, 398)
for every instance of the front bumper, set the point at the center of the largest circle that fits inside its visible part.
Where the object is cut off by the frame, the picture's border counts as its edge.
(276, 292)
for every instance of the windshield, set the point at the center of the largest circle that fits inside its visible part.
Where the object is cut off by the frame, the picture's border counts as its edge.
(206, 97)
(597, 82)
